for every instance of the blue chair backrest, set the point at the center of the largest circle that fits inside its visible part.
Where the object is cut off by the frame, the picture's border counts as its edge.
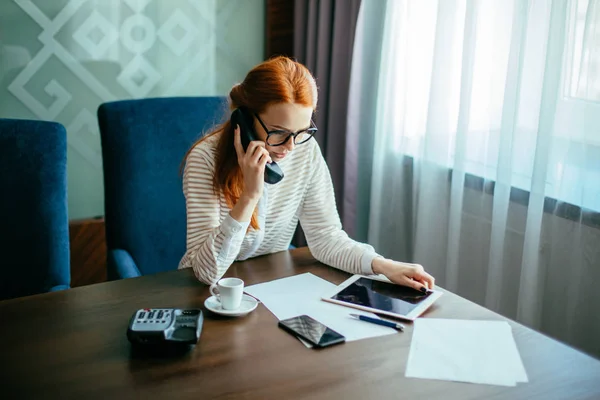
(34, 222)
(143, 144)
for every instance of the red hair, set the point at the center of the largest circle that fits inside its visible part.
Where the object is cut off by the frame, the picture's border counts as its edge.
(277, 80)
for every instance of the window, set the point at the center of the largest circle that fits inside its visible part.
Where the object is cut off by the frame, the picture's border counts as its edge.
(458, 81)
(583, 50)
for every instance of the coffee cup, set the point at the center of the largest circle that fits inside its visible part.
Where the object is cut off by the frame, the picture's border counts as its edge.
(228, 291)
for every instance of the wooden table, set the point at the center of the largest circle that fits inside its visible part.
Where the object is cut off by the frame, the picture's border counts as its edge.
(72, 344)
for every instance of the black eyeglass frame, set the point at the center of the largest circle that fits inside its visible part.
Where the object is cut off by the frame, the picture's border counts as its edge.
(312, 130)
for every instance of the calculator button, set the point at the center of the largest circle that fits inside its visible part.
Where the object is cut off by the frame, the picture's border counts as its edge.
(151, 315)
(142, 315)
(160, 314)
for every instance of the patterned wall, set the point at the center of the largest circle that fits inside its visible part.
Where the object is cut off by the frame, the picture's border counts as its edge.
(60, 59)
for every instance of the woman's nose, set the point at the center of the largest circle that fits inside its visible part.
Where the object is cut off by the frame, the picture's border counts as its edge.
(289, 145)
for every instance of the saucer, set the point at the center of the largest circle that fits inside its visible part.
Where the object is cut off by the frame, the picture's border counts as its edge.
(248, 305)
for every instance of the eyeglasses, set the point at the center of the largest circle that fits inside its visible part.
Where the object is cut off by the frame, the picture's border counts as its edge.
(280, 137)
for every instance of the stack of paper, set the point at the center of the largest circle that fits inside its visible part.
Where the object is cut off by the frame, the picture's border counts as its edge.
(301, 294)
(465, 351)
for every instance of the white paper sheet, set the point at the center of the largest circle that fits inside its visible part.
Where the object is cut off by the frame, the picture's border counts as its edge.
(465, 351)
(301, 294)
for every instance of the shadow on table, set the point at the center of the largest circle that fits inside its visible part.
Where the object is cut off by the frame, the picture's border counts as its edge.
(153, 364)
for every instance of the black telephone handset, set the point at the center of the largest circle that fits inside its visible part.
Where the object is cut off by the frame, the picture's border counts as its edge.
(243, 118)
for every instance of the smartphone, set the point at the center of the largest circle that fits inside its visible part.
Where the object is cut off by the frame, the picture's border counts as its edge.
(312, 331)
(245, 119)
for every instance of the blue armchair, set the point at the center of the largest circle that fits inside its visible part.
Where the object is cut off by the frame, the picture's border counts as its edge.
(143, 144)
(34, 223)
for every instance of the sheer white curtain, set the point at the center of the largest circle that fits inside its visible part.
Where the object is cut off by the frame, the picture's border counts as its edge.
(485, 165)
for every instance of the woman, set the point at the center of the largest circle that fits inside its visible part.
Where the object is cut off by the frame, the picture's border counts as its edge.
(232, 214)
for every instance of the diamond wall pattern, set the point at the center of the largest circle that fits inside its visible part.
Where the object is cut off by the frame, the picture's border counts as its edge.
(60, 59)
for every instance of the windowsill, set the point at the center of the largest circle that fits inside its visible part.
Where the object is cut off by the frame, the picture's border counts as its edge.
(552, 206)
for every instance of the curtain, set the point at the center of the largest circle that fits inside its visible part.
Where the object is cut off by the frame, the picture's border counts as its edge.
(481, 152)
(324, 41)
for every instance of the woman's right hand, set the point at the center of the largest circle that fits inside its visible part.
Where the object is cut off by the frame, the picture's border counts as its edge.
(252, 162)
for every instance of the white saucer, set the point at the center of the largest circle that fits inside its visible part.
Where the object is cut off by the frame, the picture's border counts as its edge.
(248, 305)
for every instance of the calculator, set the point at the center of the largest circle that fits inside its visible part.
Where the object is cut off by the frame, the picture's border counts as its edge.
(161, 326)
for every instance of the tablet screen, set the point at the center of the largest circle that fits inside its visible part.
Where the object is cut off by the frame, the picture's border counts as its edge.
(382, 296)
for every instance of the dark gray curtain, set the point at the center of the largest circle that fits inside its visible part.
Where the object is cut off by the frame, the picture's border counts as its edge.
(323, 41)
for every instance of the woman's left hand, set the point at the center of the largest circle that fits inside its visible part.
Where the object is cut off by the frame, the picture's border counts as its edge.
(412, 275)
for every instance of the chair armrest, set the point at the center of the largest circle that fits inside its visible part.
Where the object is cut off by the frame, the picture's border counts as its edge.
(120, 265)
(59, 287)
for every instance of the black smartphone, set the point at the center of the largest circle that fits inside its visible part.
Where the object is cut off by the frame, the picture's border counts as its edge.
(245, 119)
(312, 331)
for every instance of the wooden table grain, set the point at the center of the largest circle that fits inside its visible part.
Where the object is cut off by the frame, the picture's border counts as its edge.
(72, 345)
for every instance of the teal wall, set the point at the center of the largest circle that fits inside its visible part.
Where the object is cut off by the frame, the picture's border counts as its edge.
(60, 59)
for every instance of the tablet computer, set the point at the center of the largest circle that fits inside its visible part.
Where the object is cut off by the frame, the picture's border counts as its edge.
(379, 295)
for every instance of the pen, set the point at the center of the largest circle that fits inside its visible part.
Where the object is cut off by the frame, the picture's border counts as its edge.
(377, 321)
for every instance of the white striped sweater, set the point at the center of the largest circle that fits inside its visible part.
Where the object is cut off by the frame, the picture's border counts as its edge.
(215, 240)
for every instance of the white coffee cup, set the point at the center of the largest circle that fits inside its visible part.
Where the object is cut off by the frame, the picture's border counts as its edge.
(228, 292)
